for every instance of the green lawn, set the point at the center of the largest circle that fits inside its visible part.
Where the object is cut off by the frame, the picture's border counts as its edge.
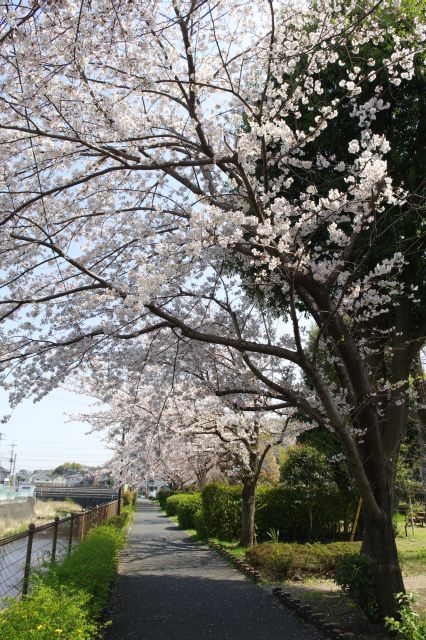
(412, 550)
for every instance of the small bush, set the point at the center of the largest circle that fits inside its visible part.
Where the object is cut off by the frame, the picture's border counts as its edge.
(123, 519)
(187, 507)
(199, 524)
(47, 613)
(222, 511)
(354, 575)
(172, 503)
(293, 561)
(162, 496)
(91, 566)
(129, 498)
(409, 626)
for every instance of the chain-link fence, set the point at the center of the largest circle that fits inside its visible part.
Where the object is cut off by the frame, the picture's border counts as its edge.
(38, 547)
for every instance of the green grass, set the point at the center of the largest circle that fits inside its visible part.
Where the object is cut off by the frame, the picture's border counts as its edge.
(293, 561)
(307, 560)
(92, 566)
(412, 550)
(49, 613)
(232, 547)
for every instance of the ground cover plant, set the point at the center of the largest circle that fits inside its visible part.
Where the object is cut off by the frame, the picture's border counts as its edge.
(409, 625)
(49, 612)
(290, 561)
(91, 566)
(68, 600)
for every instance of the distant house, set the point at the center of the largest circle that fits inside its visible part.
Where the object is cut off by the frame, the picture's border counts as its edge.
(4, 474)
(153, 486)
(41, 477)
(75, 479)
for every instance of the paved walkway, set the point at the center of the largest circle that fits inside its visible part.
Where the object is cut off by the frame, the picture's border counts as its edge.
(170, 588)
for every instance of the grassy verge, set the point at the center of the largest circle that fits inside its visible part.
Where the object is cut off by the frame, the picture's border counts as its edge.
(307, 571)
(67, 602)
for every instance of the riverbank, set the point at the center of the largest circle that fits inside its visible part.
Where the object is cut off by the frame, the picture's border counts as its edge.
(43, 511)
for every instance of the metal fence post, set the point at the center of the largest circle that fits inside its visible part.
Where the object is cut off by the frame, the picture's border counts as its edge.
(31, 530)
(55, 539)
(71, 532)
(120, 489)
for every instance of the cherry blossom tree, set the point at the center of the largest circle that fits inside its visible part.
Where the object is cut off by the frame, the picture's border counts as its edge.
(211, 415)
(159, 156)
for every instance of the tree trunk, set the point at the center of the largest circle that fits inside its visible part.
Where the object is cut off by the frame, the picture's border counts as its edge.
(379, 544)
(420, 386)
(248, 510)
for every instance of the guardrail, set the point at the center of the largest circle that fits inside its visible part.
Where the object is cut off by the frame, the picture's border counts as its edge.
(46, 544)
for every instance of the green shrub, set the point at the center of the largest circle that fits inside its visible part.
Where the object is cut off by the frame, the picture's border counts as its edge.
(172, 503)
(123, 519)
(199, 524)
(354, 575)
(129, 497)
(311, 502)
(49, 612)
(187, 507)
(162, 496)
(271, 513)
(91, 566)
(293, 561)
(222, 511)
(409, 626)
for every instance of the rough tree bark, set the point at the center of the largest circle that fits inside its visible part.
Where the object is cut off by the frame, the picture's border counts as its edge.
(248, 495)
(420, 386)
(248, 512)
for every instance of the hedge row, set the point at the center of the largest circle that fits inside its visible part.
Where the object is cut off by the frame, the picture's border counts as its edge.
(162, 496)
(217, 513)
(281, 508)
(187, 508)
(221, 511)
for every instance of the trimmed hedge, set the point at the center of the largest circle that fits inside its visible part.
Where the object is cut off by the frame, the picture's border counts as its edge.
(292, 561)
(162, 496)
(188, 506)
(172, 503)
(221, 512)
(280, 508)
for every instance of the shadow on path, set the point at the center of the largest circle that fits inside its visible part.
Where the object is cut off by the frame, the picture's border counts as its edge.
(170, 588)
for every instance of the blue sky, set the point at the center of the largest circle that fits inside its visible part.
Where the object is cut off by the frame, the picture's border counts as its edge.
(44, 436)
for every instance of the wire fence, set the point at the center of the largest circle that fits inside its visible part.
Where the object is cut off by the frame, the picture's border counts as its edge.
(38, 547)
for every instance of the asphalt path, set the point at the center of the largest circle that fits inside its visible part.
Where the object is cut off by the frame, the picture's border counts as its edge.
(170, 588)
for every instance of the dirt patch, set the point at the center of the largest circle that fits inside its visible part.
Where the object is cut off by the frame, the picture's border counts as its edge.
(326, 597)
(417, 584)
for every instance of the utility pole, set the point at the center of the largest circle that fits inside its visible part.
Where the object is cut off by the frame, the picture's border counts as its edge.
(11, 459)
(14, 470)
(1, 438)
